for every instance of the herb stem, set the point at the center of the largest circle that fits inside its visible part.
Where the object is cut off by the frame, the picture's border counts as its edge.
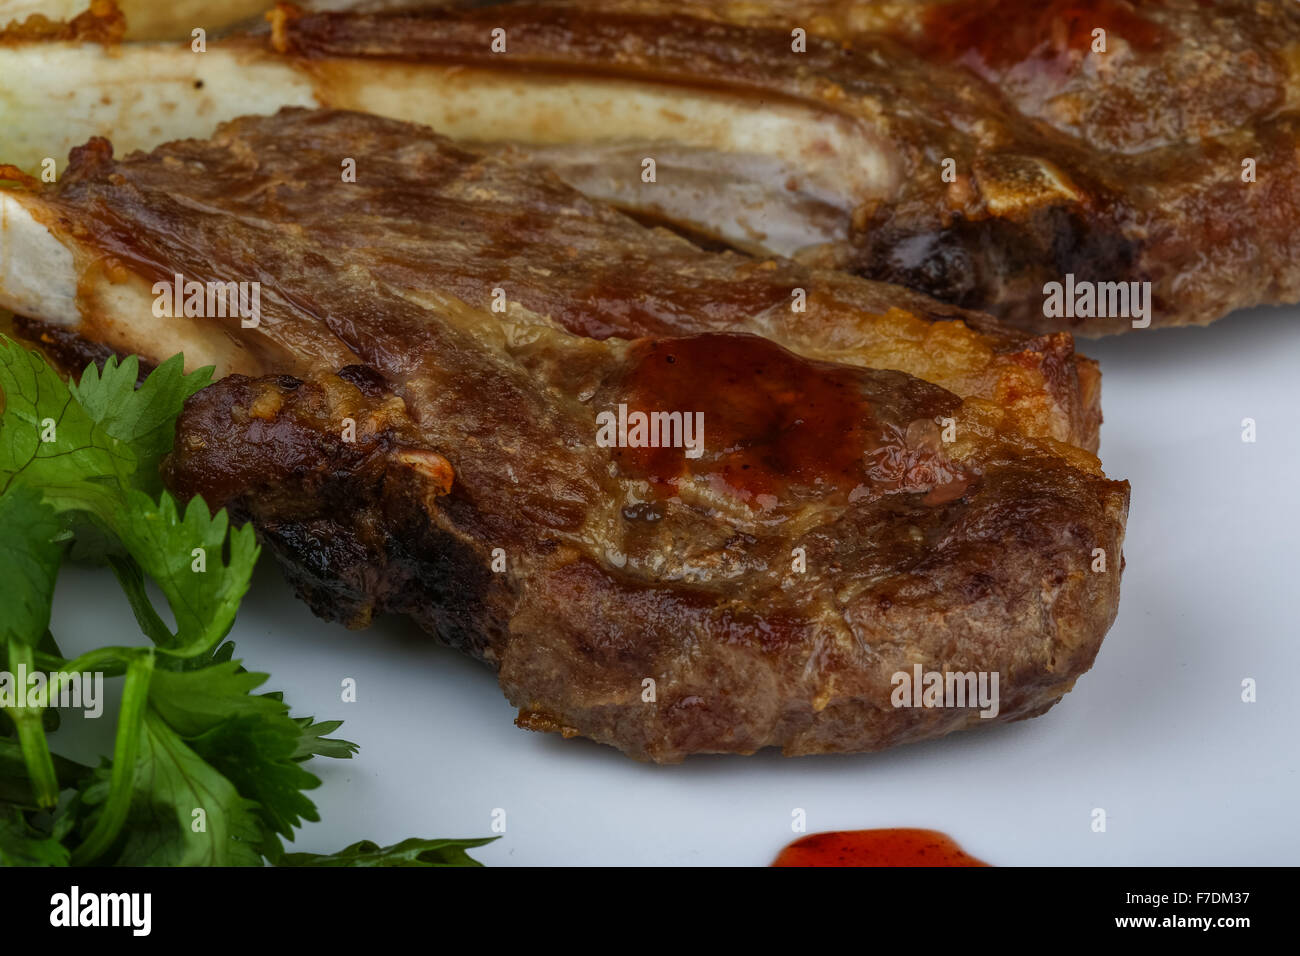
(31, 733)
(130, 722)
(110, 661)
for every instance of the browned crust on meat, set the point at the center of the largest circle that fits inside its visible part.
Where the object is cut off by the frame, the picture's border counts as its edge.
(102, 22)
(68, 350)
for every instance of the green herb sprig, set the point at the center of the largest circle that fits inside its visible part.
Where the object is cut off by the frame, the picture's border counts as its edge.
(204, 771)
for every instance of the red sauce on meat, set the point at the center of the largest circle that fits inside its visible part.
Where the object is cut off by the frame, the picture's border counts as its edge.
(900, 847)
(1003, 33)
(775, 422)
(771, 418)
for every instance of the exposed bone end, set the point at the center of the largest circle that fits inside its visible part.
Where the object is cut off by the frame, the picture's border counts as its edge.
(137, 94)
(63, 284)
(37, 274)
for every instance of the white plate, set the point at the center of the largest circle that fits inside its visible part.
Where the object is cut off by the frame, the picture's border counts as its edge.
(1156, 734)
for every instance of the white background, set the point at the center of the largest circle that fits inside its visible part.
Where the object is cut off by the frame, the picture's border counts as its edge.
(1156, 734)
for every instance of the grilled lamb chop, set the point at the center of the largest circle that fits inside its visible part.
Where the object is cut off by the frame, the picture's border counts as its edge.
(432, 458)
(1123, 166)
(1067, 166)
(437, 221)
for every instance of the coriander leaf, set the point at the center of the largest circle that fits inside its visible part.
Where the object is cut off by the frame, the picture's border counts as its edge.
(29, 564)
(92, 541)
(193, 702)
(251, 739)
(144, 417)
(312, 741)
(257, 757)
(182, 552)
(413, 852)
(171, 783)
(48, 441)
(22, 845)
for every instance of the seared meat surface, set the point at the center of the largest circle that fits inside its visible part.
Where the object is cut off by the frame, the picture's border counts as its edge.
(837, 525)
(1177, 71)
(619, 570)
(1127, 165)
(441, 222)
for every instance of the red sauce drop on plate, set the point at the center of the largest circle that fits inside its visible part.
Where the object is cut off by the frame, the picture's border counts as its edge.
(897, 847)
